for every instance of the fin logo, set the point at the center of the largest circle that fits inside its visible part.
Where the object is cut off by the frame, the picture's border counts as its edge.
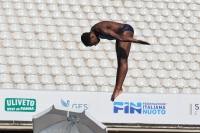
(74, 105)
(140, 108)
(128, 107)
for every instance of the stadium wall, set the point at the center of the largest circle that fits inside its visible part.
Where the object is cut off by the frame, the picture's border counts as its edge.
(172, 112)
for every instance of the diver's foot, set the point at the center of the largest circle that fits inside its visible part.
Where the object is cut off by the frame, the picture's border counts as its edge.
(116, 93)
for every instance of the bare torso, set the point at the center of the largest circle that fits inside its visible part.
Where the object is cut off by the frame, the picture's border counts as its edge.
(114, 26)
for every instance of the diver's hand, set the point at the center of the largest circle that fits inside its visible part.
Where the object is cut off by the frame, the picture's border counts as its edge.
(143, 42)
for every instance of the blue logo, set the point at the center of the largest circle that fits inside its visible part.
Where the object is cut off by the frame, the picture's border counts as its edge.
(139, 108)
(74, 105)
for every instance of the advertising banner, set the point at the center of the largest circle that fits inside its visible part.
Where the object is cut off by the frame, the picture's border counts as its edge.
(21, 105)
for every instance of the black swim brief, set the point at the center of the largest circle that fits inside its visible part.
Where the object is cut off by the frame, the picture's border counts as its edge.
(126, 27)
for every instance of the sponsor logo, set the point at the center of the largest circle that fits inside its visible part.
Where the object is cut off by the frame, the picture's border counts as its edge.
(20, 105)
(194, 109)
(75, 105)
(139, 108)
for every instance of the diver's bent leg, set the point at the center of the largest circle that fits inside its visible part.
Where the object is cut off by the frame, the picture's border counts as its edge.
(123, 52)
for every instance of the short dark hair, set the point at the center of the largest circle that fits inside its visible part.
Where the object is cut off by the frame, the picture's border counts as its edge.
(85, 38)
